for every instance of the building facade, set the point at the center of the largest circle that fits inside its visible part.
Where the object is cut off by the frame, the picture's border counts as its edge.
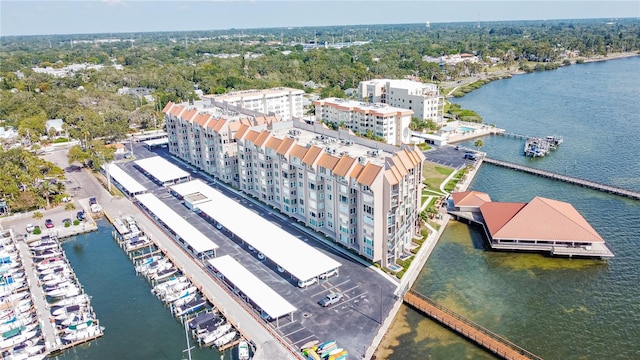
(423, 99)
(283, 102)
(362, 194)
(384, 121)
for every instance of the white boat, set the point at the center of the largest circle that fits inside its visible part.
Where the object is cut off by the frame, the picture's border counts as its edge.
(169, 283)
(49, 263)
(64, 292)
(165, 274)
(171, 297)
(185, 299)
(243, 350)
(48, 254)
(66, 309)
(59, 267)
(208, 338)
(225, 339)
(92, 330)
(190, 307)
(175, 288)
(73, 300)
(15, 340)
(80, 325)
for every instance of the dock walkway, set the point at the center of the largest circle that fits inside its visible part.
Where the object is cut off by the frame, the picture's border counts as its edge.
(568, 179)
(51, 341)
(472, 331)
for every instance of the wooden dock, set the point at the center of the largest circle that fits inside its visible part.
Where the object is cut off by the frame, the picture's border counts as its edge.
(568, 179)
(472, 331)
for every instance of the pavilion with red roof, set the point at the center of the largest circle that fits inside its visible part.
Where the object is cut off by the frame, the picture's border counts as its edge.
(540, 225)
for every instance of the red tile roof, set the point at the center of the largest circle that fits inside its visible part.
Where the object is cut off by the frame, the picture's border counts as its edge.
(470, 198)
(551, 220)
(497, 214)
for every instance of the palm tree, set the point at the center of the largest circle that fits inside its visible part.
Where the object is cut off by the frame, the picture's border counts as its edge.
(45, 189)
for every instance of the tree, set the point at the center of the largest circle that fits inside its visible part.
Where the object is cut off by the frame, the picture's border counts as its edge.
(46, 190)
(478, 144)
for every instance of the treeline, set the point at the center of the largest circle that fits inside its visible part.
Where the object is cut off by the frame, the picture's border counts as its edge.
(174, 64)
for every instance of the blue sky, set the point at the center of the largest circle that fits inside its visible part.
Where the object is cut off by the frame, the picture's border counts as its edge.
(27, 17)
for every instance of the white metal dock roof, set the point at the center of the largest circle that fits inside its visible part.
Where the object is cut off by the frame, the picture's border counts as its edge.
(155, 142)
(131, 185)
(161, 169)
(260, 293)
(192, 236)
(292, 254)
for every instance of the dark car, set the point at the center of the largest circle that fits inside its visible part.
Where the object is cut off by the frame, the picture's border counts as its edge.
(330, 299)
(67, 220)
(92, 200)
(48, 223)
(80, 215)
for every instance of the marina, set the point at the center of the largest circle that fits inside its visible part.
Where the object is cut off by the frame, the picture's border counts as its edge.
(46, 309)
(174, 288)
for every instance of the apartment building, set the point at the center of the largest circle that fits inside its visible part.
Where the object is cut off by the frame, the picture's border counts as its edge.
(283, 102)
(366, 199)
(424, 99)
(203, 136)
(361, 193)
(382, 120)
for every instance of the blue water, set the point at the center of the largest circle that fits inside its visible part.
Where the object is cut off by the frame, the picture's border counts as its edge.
(557, 308)
(137, 324)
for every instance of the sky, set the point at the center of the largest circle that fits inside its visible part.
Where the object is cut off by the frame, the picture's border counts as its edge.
(30, 17)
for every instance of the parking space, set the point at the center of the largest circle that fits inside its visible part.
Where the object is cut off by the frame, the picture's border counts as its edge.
(448, 156)
(353, 321)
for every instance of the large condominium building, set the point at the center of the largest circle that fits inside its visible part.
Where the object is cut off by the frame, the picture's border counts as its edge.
(384, 121)
(363, 194)
(285, 103)
(424, 99)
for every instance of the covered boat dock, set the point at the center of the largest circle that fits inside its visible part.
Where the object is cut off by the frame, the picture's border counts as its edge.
(269, 303)
(183, 232)
(127, 184)
(293, 255)
(162, 171)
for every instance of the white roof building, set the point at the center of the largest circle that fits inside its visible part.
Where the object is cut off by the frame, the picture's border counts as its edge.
(184, 233)
(127, 183)
(423, 99)
(268, 301)
(292, 254)
(162, 171)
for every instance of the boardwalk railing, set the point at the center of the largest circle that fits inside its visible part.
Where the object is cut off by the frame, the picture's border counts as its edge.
(472, 331)
(568, 179)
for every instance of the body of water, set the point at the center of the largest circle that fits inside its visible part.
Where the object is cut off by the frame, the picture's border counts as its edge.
(137, 324)
(558, 308)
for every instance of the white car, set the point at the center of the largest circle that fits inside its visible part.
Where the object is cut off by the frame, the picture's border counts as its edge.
(29, 228)
(260, 256)
(218, 226)
(95, 208)
(305, 283)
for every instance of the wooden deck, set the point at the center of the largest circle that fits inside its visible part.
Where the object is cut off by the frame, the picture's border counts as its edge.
(490, 341)
(568, 179)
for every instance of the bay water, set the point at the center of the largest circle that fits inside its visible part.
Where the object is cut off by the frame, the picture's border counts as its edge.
(137, 324)
(557, 308)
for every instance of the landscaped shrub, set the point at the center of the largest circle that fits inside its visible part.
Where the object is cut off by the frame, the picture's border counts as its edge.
(37, 231)
(67, 224)
(76, 222)
(400, 274)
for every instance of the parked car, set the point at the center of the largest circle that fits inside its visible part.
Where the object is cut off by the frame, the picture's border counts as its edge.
(260, 256)
(92, 201)
(305, 283)
(330, 299)
(219, 226)
(29, 228)
(329, 274)
(48, 223)
(67, 220)
(80, 215)
(95, 208)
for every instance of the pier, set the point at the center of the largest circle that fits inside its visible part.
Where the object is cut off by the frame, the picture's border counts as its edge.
(568, 179)
(483, 337)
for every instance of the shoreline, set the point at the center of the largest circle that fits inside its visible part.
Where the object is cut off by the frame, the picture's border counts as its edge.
(501, 74)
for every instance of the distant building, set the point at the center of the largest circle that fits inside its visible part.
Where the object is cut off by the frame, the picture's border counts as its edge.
(424, 100)
(8, 133)
(283, 102)
(56, 125)
(382, 120)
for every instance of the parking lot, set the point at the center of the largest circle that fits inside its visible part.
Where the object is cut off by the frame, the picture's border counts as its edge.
(352, 322)
(448, 156)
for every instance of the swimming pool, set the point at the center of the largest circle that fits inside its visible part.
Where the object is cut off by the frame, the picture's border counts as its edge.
(466, 129)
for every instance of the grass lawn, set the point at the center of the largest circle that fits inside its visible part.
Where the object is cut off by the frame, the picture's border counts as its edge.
(434, 175)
